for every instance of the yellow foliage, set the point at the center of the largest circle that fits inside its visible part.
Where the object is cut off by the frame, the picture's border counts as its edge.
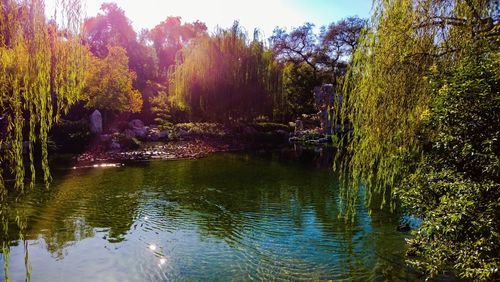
(41, 75)
(109, 84)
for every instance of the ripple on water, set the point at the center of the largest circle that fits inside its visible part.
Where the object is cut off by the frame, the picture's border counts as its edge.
(199, 221)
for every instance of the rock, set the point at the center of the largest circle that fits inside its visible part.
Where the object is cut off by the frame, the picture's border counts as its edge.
(153, 134)
(130, 143)
(282, 132)
(96, 122)
(182, 133)
(136, 123)
(403, 227)
(299, 125)
(163, 134)
(283, 135)
(138, 127)
(323, 140)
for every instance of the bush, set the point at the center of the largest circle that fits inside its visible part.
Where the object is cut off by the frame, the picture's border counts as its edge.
(456, 188)
(270, 126)
(202, 128)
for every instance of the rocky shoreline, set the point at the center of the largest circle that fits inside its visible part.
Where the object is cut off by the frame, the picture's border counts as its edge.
(173, 150)
(135, 141)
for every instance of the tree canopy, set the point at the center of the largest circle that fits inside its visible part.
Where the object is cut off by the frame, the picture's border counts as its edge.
(113, 28)
(170, 36)
(313, 59)
(225, 77)
(109, 85)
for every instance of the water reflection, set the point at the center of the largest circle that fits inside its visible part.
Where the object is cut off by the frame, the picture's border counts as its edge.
(229, 216)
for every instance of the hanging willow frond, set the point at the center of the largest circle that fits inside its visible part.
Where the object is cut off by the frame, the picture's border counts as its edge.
(387, 92)
(42, 74)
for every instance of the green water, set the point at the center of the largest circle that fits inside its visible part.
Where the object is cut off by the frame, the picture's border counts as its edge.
(222, 218)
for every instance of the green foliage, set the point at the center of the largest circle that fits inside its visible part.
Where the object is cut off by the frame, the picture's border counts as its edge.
(202, 128)
(109, 86)
(71, 136)
(298, 83)
(422, 97)
(460, 227)
(271, 126)
(166, 112)
(465, 115)
(42, 73)
(386, 101)
(456, 188)
(313, 59)
(225, 78)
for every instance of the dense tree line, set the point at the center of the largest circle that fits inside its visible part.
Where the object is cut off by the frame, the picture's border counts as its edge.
(240, 77)
(227, 76)
(174, 72)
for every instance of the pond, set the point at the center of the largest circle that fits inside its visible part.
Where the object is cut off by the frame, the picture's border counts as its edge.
(230, 216)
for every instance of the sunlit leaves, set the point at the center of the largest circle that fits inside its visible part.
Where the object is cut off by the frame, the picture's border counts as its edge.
(109, 86)
(422, 99)
(224, 77)
(41, 76)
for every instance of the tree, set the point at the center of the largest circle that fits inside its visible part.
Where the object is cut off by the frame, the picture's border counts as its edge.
(113, 28)
(109, 85)
(225, 78)
(456, 187)
(170, 36)
(298, 47)
(42, 74)
(314, 59)
(412, 48)
(338, 42)
(297, 85)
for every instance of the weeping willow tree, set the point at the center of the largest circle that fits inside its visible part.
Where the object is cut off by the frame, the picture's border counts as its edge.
(391, 100)
(225, 77)
(41, 74)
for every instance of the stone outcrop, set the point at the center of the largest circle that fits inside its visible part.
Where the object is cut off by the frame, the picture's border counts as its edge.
(96, 122)
(138, 127)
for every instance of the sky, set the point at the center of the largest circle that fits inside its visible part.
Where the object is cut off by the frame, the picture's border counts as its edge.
(262, 14)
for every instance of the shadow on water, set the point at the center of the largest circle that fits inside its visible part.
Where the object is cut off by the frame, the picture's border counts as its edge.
(262, 215)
